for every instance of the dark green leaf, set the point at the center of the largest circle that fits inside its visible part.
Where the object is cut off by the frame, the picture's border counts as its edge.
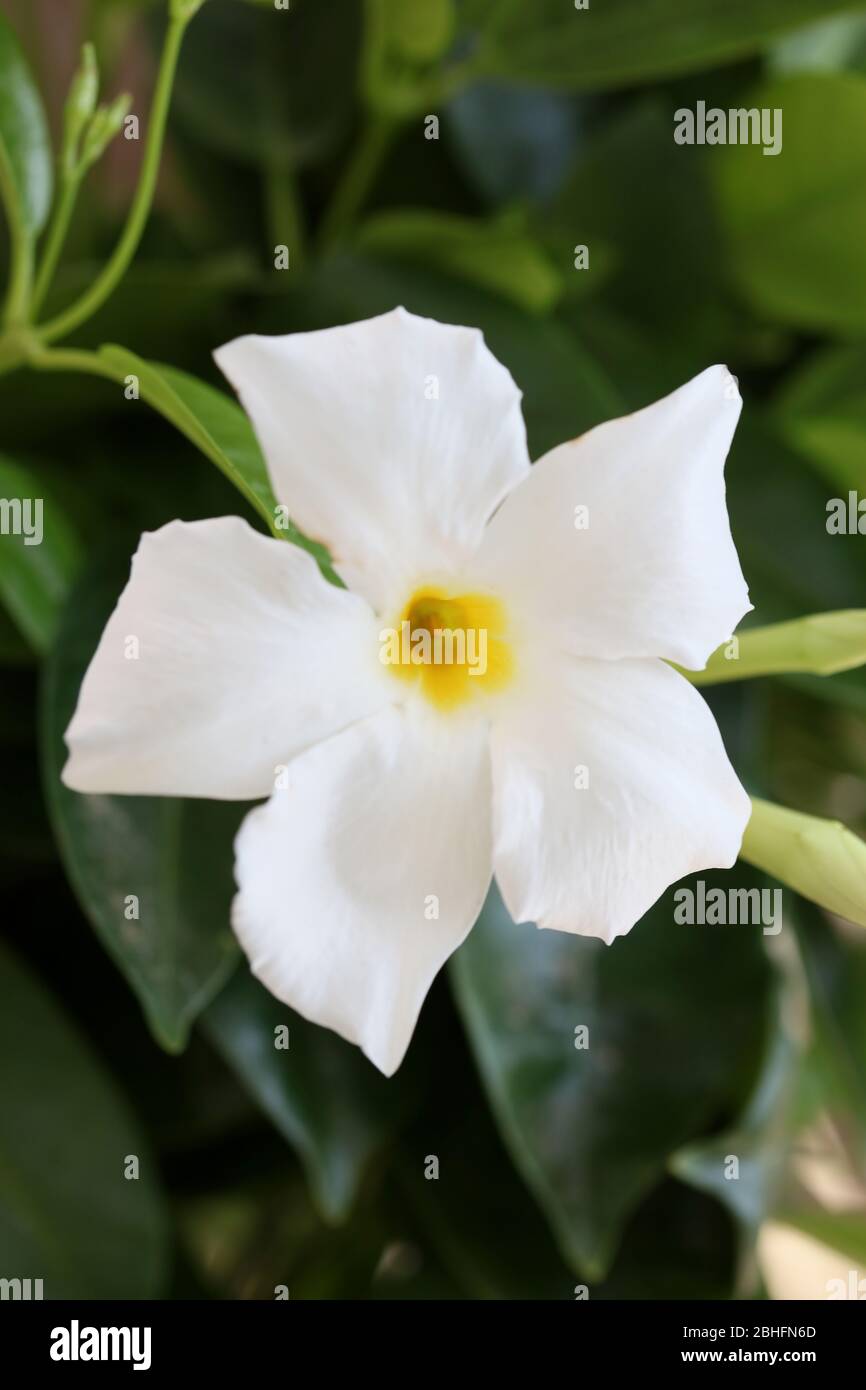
(744, 1166)
(591, 1129)
(36, 572)
(210, 419)
(321, 1093)
(610, 43)
(68, 1215)
(266, 86)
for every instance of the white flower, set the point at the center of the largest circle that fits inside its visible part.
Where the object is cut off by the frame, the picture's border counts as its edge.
(578, 766)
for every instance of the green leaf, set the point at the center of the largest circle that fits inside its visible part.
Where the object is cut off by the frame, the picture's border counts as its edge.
(796, 222)
(270, 87)
(320, 1092)
(36, 571)
(822, 645)
(498, 255)
(821, 859)
(759, 1140)
(844, 1231)
(666, 222)
(821, 412)
(25, 150)
(835, 969)
(831, 45)
(513, 142)
(174, 856)
(217, 426)
(209, 419)
(778, 510)
(611, 43)
(591, 1129)
(68, 1215)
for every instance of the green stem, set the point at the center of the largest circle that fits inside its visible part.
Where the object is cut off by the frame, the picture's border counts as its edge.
(73, 360)
(55, 239)
(17, 304)
(126, 247)
(358, 178)
(283, 212)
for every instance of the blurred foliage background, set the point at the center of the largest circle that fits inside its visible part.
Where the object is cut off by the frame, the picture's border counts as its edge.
(309, 128)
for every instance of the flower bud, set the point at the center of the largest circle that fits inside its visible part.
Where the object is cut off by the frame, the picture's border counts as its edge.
(79, 107)
(102, 129)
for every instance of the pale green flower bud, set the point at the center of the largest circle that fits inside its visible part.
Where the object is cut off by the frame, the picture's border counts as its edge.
(102, 129)
(79, 107)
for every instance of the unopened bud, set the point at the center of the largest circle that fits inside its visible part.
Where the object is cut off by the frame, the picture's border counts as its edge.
(102, 129)
(80, 105)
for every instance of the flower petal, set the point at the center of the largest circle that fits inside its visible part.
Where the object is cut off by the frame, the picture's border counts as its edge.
(340, 874)
(226, 655)
(662, 800)
(392, 440)
(650, 568)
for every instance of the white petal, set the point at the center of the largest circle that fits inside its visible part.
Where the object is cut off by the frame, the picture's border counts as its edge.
(655, 572)
(340, 874)
(226, 655)
(662, 800)
(392, 440)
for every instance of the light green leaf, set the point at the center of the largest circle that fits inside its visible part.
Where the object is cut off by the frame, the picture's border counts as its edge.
(35, 578)
(831, 45)
(174, 857)
(591, 1128)
(844, 1231)
(821, 859)
(68, 1215)
(321, 1093)
(822, 645)
(834, 963)
(821, 412)
(25, 150)
(796, 222)
(611, 43)
(498, 255)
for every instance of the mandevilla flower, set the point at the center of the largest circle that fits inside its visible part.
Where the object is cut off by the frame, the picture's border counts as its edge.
(551, 745)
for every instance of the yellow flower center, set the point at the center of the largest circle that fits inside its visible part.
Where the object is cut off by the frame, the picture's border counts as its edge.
(454, 646)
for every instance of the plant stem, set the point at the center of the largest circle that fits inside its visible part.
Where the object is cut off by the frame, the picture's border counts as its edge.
(283, 211)
(73, 360)
(55, 239)
(20, 250)
(126, 247)
(358, 177)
